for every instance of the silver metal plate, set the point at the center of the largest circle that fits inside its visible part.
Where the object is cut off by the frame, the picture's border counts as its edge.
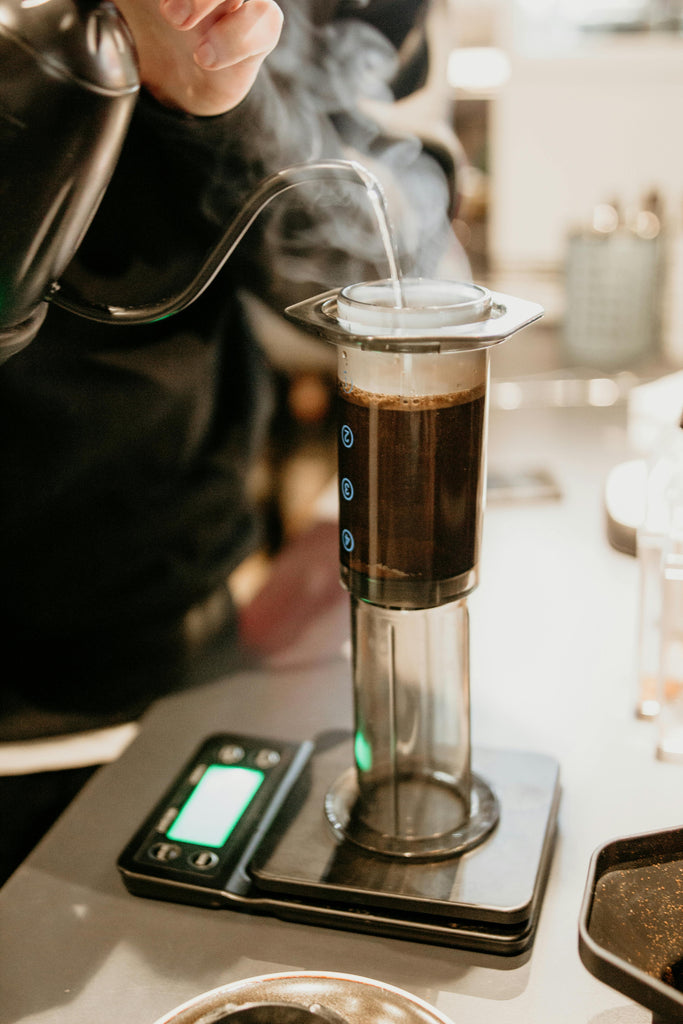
(356, 1000)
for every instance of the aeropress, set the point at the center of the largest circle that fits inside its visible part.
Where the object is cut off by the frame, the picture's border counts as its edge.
(421, 837)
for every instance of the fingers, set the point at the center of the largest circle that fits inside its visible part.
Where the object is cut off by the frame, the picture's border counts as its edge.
(247, 33)
(186, 14)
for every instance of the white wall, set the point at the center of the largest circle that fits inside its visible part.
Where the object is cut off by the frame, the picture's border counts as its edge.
(572, 130)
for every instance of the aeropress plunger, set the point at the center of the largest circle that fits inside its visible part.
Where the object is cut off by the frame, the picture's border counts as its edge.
(412, 397)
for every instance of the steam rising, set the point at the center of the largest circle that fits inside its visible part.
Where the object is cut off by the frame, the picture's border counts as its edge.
(323, 236)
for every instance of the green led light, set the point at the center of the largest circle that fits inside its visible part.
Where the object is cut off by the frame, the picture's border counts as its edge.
(363, 752)
(215, 805)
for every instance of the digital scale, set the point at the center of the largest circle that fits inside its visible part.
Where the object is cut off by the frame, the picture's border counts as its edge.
(243, 827)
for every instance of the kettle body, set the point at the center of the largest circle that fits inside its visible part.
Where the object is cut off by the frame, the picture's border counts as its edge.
(68, 85)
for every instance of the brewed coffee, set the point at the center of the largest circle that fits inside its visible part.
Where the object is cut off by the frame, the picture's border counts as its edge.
(411, 484)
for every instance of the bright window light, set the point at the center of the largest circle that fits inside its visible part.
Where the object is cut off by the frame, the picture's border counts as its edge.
(478, 69)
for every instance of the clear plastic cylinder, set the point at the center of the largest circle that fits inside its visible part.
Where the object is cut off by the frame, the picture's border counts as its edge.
(670, 688)
(411, 446)
(670, 691)
(412, 736)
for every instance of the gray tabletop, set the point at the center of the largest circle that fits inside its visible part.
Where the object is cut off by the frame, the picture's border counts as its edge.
(553, 647)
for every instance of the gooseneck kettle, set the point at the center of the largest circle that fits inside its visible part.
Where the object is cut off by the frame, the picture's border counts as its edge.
(68, 86)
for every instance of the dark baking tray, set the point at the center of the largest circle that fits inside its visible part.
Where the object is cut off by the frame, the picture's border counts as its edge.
(631, 924)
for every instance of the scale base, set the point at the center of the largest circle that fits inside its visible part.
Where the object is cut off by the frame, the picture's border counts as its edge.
(487, 899)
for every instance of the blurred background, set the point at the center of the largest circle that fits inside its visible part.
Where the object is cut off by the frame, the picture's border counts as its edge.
(566, 109)
(571, 194)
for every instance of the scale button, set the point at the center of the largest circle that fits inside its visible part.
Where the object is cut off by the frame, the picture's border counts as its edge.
(204, 860)
(231, 753)
(167, 819)
(196, 774)
(266, 758)
(165, 852)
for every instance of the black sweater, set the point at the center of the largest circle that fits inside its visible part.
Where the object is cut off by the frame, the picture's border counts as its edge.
(126, 448)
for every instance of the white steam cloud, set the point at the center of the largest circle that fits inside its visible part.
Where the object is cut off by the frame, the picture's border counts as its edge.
(325, 235)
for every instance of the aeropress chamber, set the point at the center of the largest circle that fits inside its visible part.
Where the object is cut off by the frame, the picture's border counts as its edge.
(412, 388)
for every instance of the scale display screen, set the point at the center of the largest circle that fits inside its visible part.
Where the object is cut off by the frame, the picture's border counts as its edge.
(216, 805)
(197, 842)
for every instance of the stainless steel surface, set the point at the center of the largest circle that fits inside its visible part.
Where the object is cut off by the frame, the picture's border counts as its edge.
(553, 670)
(355, 1000)
(487, 900)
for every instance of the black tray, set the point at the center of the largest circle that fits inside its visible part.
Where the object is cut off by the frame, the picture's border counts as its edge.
(631, 924)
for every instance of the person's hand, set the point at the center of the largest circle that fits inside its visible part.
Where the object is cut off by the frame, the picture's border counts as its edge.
(201, 56)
